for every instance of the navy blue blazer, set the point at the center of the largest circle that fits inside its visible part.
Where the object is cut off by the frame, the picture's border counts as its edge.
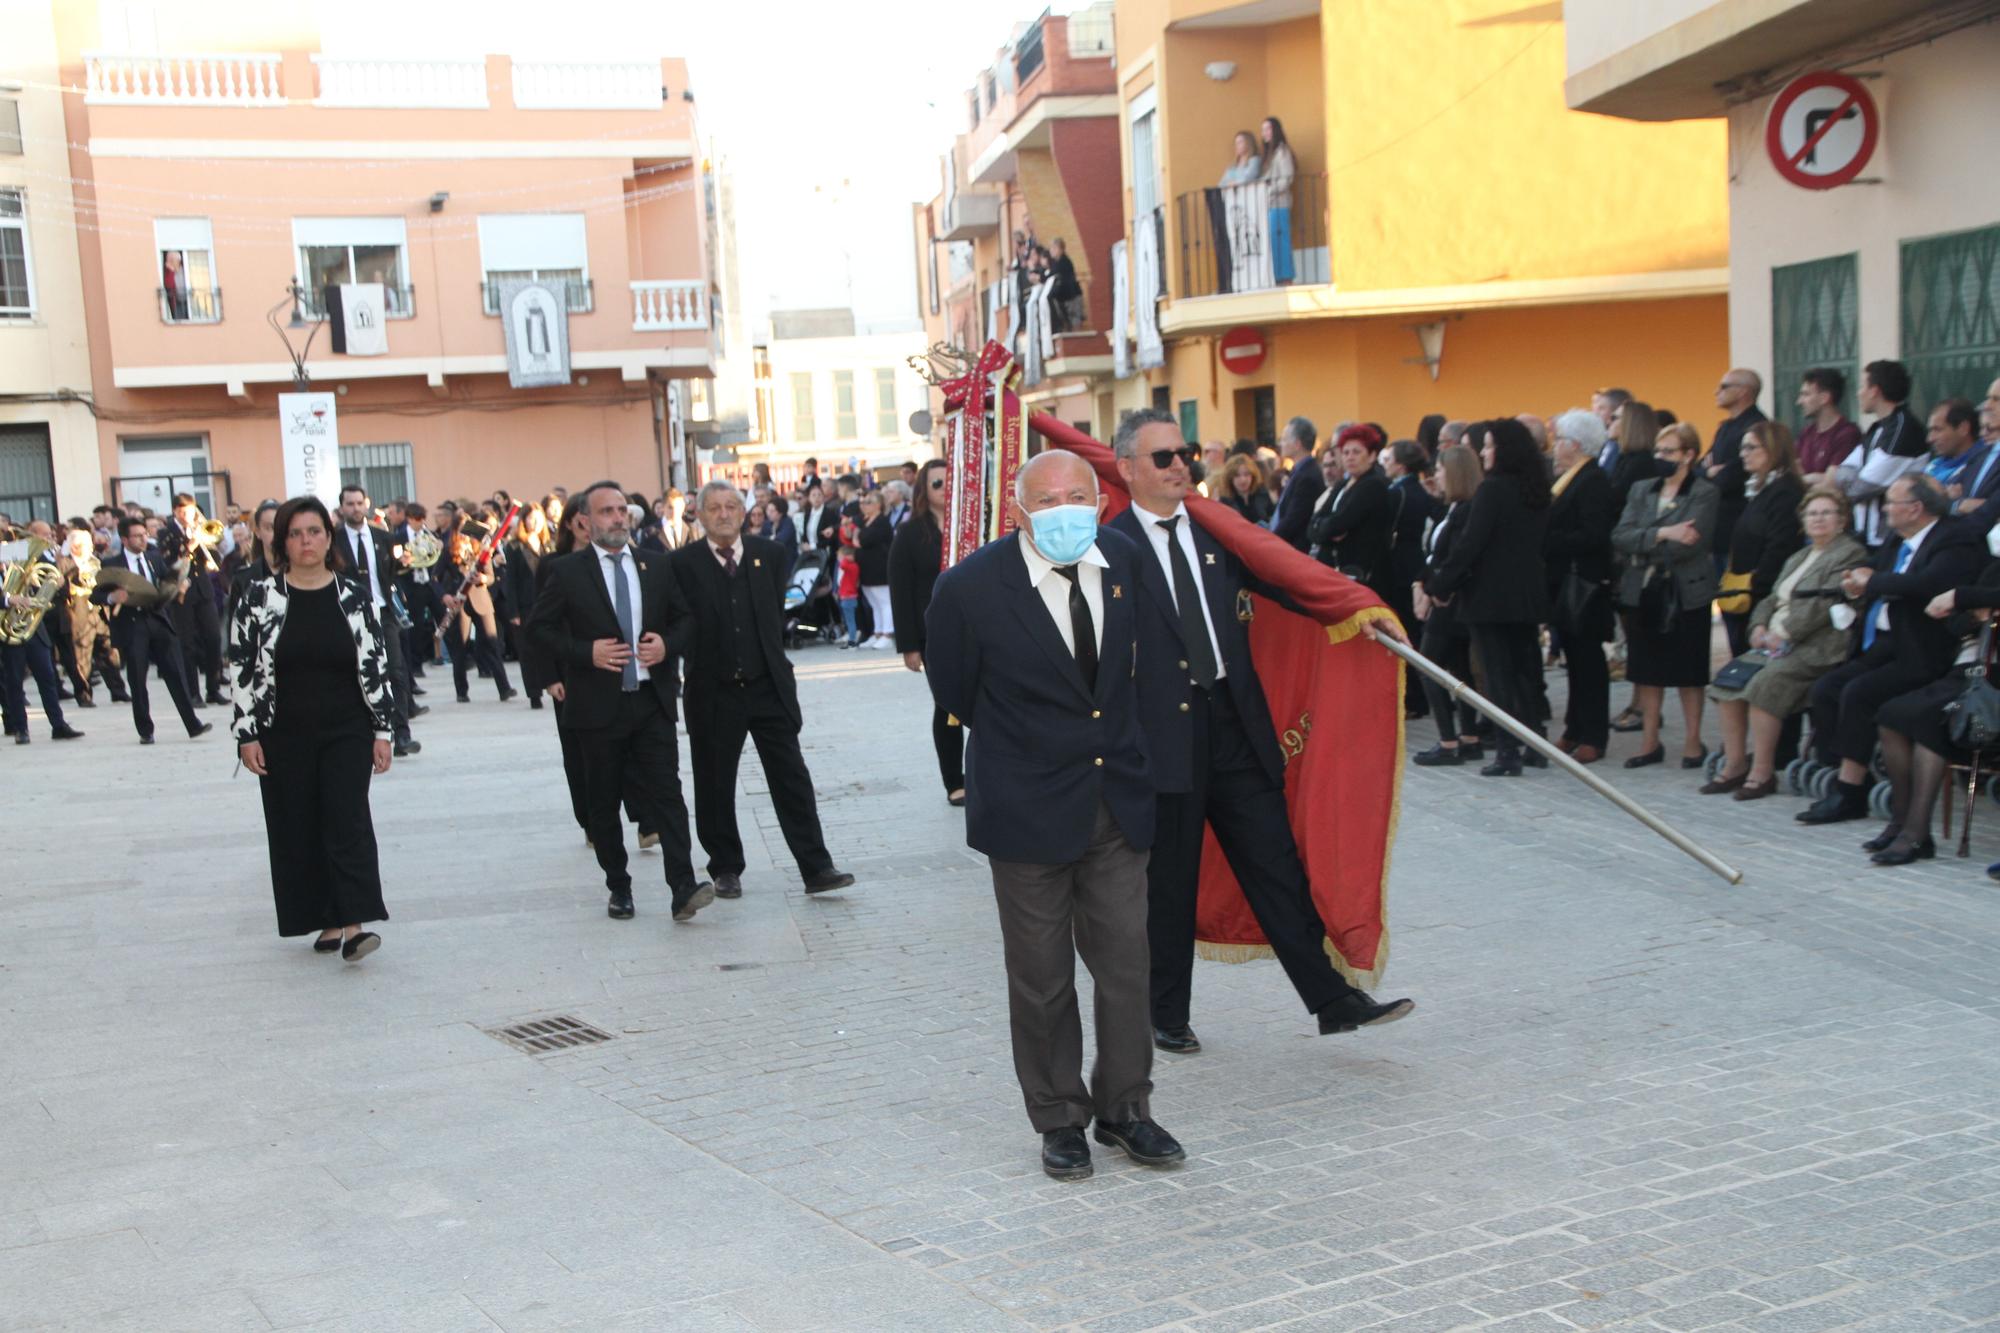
(1166, 693)
(1295, 503)
(1042, 750)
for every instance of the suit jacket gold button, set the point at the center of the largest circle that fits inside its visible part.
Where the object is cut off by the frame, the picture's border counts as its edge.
(1096, 713)
(1184, 666)
(1184, 708)
(1100, 762)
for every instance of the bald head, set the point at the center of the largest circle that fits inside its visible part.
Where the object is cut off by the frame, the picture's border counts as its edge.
(1055, 477)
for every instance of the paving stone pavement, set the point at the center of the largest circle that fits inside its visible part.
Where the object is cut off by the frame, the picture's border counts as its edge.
(1632, 1096)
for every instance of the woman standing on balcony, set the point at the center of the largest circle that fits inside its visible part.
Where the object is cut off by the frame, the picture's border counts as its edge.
(1280, 168)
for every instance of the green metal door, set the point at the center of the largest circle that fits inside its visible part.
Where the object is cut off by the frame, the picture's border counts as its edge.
(1190, 414)
(1951, 315)
(1815, 322)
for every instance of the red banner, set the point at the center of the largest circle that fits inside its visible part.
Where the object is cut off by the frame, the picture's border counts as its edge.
(986, 442)
(1337, 702)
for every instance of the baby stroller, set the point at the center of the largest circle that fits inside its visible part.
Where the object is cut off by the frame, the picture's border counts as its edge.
(810, 612)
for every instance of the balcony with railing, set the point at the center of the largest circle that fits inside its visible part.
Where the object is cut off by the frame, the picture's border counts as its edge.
(355, 82)
(561, 85)
(258, 79)
(673, 306)
(581, 294)
(249, 78)
(1251, 237)
(190, 305)
(397, 302)
(970, 216)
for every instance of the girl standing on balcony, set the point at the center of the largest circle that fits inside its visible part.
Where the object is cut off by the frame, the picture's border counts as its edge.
(1280, 168)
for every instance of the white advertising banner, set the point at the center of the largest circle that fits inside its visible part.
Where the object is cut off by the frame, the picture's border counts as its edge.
(1121, 306)
(535, 317)
(1146, 301)
(311, 441)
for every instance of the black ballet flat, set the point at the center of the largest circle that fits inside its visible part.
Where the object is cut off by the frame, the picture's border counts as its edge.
(1903, 852)
(360, 946)
(327, 946)
(1695, 762)
(1656, 755)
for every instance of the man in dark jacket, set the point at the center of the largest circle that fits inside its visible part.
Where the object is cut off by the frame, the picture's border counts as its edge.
(1737, 396)
(1303, 484)
(1895, 434)
(145, 637)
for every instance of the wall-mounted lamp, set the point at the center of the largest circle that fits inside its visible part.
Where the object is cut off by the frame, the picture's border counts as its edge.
(1222, 71)
(437, 200)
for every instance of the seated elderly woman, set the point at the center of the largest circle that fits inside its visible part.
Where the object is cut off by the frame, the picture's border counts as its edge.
(1793, 642)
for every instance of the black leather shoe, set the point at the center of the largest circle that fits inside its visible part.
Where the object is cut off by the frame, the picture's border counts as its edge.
(1177, 1041)
(465, 698)
(826, 881)
(1502, 767)
(145, 740)
(66, 733)
(699, 897)
(1903, 852)
(328, 945)
(728, 886)
(201, 730)
(1656, 755)
(1837, 806)
(360, 946)
(218, 699)
(620, 907)
(23, 738)
(1358, 1009)
(418, 710)
(1142, 1141)
(1880, 842)
(506, 696)
(1438, 757)
(1695, 762)
(1065, 1156)
(403, 749)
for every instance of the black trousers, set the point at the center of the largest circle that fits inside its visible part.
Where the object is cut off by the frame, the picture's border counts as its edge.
(325, 870)
(152, 642)
(948, 739)
(577, 779)
(1512, 656)
(1446, 643)
(1736, 627)
(17, 662)
(1587, 716)
(200, 631)
(482, 648)
(752, 709)
(1233, 795)
(1845, 700)
(636, 758)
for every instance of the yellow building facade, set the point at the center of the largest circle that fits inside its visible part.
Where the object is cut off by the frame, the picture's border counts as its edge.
(1460, 241)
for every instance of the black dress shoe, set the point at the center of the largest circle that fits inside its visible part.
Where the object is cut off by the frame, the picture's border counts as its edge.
(728, 886)
(1880, 842)
(698, 897)
(418, 710)
(506, 696)
(23, 738)
(1142, 1140)
(465, 698)
(217, 699)
(620, 907)
(327, 946)
(826, 881)
(145, 740)
(1177, 1041)
(66, 733)
(86, 703)
(1438, 757)
(1065, 1156)
(1502, 766)
(201, 730)
(403, 749)
(1843, 803)
(1695, 762)
(1656, 755)
(1358, 1009)
(1903, 852)
(360, 946)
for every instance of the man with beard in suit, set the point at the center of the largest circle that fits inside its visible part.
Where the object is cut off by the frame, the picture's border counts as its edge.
(145, 637)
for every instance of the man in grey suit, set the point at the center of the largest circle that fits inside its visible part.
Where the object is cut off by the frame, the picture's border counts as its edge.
(1029, 641)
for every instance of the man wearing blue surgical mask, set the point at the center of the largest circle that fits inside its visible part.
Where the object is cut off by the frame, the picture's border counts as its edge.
(1029, 641)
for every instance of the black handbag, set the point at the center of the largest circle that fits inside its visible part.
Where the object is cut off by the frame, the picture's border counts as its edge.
(1738, 672)
(1583, 606)
(1660, 602)
(1972, 720)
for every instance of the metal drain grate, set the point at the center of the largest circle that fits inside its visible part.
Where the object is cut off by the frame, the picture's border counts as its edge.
(543, 1035)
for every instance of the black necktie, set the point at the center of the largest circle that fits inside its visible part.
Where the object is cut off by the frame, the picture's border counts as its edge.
(1081, 627)
(361, 562)
(1187, 598)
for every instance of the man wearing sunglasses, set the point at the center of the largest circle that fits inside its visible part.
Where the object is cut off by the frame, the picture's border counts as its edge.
(1215, 755)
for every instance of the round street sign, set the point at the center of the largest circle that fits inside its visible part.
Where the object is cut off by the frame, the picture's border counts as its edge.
(1243, 350)
(1822, 131)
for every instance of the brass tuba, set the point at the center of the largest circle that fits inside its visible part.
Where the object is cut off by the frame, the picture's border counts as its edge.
(32, 585)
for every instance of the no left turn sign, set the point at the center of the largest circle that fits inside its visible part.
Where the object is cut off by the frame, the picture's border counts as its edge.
(1822, 131)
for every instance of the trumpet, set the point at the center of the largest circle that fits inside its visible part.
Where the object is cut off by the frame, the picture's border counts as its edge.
(31, 585)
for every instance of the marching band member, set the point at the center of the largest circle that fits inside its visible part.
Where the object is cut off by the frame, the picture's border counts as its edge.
(469, 623)
(33, 655)
(144, 636)
(194, 611)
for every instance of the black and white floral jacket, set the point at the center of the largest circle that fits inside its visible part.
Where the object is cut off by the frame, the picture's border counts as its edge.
(253, 646)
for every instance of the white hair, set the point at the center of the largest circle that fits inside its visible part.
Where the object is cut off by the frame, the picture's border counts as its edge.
(1582, 426)
(718, 485)
(1021, 477)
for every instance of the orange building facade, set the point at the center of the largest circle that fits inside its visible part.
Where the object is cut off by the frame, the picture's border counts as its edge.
(215, 184)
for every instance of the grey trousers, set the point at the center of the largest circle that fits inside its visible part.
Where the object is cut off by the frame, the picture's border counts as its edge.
(1048, 915)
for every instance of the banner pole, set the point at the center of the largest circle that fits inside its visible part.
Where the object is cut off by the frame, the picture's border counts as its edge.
(1528, 736)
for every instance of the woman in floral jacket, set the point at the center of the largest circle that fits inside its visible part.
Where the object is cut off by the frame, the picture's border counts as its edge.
(311, 684)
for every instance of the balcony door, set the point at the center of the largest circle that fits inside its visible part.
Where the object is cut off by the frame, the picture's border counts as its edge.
(150, 471)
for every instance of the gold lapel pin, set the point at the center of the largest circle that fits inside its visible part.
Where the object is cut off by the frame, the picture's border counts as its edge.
(756, 562)
(1117, 591)
(1208, 557)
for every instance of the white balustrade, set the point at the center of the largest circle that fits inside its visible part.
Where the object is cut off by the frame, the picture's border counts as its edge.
(347, 81)
(669, 306)
(252, 78)
(557, 85)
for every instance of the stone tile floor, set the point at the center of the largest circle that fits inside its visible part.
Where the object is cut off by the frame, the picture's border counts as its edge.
(1632, 1096)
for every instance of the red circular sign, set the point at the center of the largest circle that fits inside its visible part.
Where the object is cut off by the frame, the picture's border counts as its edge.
(1822, 130)
(1243, 350)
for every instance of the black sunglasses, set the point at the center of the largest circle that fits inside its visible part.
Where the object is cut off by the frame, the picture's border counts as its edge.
(937, 483)
(1164, 458)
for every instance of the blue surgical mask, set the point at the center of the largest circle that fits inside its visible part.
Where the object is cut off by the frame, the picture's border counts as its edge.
(1063, 533)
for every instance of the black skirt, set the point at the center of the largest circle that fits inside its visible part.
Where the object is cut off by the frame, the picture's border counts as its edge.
(1920, 715)
(1677, 657)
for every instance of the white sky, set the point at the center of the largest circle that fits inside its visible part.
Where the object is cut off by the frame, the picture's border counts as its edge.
(832, 116)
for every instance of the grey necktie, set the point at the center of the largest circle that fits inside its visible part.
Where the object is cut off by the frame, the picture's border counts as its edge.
(623, 603)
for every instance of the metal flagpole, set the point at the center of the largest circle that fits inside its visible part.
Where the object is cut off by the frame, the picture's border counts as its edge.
(1530, 737)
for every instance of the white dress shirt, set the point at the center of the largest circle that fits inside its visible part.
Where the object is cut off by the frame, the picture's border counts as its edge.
(734, 551)
(610, 573)
(361, 546)
(1156, 537)
(1054, 588)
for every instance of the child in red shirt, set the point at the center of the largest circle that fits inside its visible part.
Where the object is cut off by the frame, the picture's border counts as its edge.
(848, 590)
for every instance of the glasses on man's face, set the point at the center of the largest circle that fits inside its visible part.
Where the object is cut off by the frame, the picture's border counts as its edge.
(1164, 458)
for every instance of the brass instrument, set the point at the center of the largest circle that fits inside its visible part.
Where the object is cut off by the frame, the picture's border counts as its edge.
(32, 585)
(423, 551)
(199, 553)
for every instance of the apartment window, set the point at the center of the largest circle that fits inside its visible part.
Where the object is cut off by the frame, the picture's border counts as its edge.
(385, 471)
(184, 255)
(1144, 113)
(1815, 321)
(17, 276)
(539, 247)
(804, 427)
(844, 427)
(27, 474)
(10, 127)
(1189, 412)
(885, 405)
(1951, 315)
(332, 251)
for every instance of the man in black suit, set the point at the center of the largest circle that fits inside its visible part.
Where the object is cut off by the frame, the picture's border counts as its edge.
(740, 685)
(1302, 487)
(194, 612)
(146, 637)
(1030, 642)
(1902, 649)
(1215, 755)
(1735, 394)
(614, 618)
(371, 555)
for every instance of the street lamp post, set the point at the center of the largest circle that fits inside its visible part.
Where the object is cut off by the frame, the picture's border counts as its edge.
(301, 380)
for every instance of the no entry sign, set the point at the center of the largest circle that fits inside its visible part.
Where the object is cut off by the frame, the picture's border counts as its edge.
(1243, 350)
(1823, 130)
